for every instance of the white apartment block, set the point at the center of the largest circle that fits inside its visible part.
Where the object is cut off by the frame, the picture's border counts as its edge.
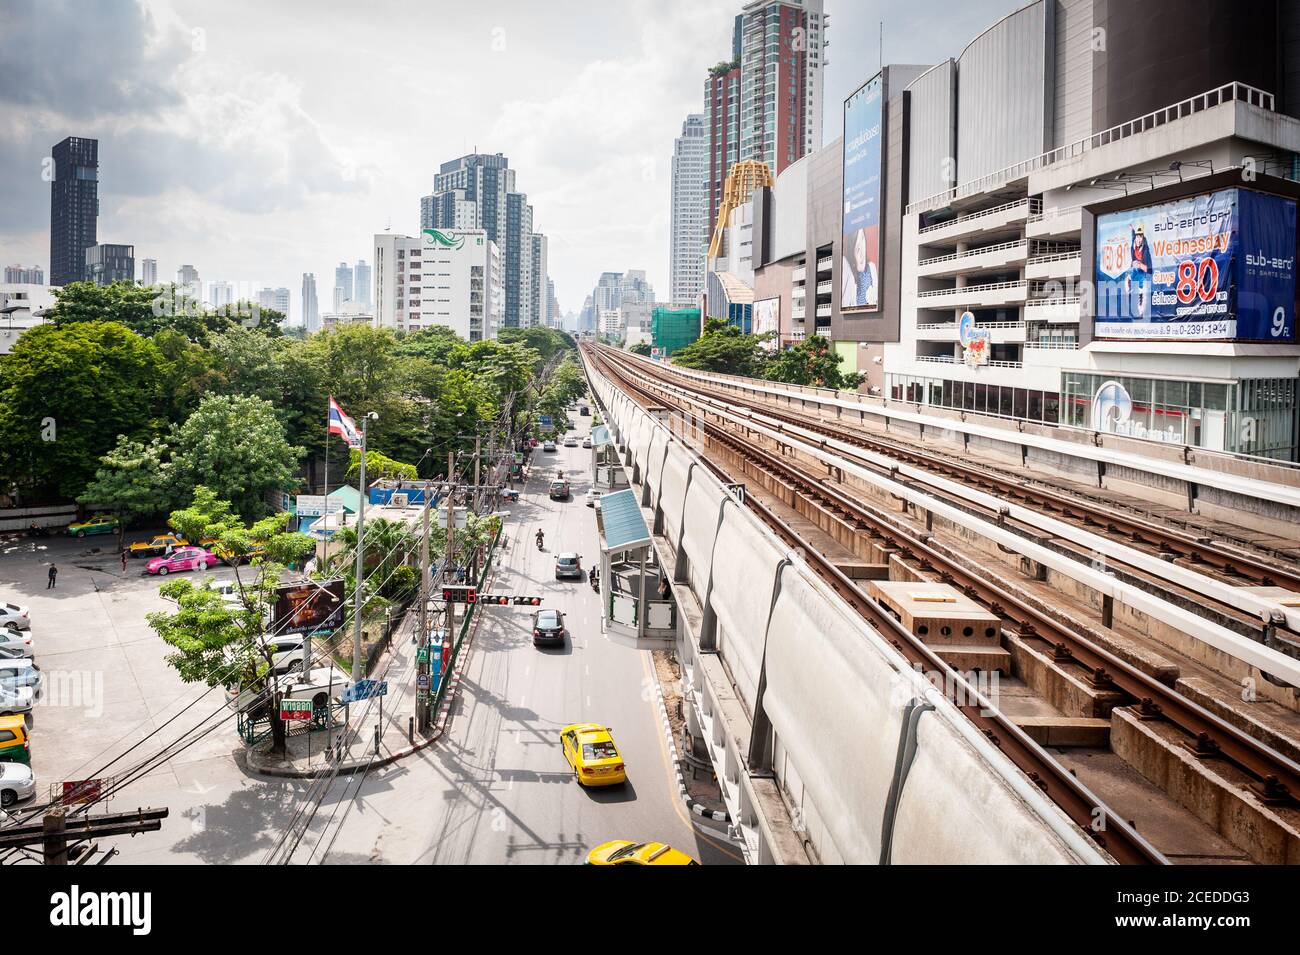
(688, 225)
(441, 277)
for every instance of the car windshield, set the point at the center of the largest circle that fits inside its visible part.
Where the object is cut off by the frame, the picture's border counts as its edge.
(602, 750)
(548, 619)
(567, 561)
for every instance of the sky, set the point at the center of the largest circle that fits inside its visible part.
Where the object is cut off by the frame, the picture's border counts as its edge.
(261, 140)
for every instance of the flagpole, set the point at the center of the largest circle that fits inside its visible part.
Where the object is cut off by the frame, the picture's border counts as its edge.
(328, 423)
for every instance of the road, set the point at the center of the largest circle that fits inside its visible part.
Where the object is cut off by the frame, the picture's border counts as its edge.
(494, 790)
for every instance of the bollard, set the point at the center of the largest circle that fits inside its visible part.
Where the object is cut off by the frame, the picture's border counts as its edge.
(376, 739)
(410, 730)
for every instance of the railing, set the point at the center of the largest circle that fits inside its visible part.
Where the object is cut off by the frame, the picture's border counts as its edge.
(953, 256)
(1052, 213)
(942, 326)
(1071, 345)
(1229, 92)
(1053, 257)
(823, 264)
(992, 210)
(941, 359)
(973, 289)
(823, 311)
(1063, 299)
(823, 287)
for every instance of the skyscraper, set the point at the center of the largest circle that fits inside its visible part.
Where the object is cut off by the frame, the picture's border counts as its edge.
(276, 299)
(220, 294)
(553, 317)
(342, 285)
(74, 208)
(478, 192)
(187, 277)
(766, 102)
(688, 227)
(361, 283)
(310, 309)
(149, 272)
(537, 286)
(107, 263)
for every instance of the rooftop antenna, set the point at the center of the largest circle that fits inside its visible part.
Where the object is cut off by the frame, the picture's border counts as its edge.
(882, 44)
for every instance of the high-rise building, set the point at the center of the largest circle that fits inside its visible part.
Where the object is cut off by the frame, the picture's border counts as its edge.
(478, 192)
(361, 283)
(766, 102)
(452, 278)
(74, 208)
(688, 225)
(539, 299)
(21, 275)
(342, 285)
(106, 263)
(149, 272)
(187, 276)
(220, 294)
(553, 317)
(276, 299)
(310, 307)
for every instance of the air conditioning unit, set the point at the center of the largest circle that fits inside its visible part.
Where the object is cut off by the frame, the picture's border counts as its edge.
(399, 499)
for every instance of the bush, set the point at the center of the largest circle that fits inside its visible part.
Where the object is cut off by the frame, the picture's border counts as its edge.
(403, 583)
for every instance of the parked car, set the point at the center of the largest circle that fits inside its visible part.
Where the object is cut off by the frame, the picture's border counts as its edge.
(593, 498)
(17, 782)
(548, 446)
(589, 749)
(15, 699)
(15, 743)
(15, 617)
(586, 442)
(98, 524)
(568, 564)
(21, 673)
(288, 651)
(14, 644)
(187, 558)
(559, 490)
(584, 411)
(548, 627)
(322, 686)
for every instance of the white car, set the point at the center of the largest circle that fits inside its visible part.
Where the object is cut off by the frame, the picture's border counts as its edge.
(548, 446)
(15, 644)
(321, 686)
(17, 782)
(15, 699)
(15, 616)
(287, 651)
(21, 673)
(570, 442)
(593, 498)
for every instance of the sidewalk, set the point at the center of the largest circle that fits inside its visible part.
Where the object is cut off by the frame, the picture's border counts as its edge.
(307, 756)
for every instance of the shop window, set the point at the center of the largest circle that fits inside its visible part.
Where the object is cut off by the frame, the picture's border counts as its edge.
(1051, 407)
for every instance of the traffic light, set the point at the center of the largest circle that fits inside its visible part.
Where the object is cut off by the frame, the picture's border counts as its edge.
(528, 601)
(499, 600)
(460, 594)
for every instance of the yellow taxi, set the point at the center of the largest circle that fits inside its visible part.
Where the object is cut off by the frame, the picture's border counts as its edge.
(15, 744)
(99, 524)
(626, 852)
(157, 546)
(230, 558)
(590, 750)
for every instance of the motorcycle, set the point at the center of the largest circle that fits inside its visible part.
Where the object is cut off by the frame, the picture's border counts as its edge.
(35, 531)
(539, 542)
(594, 579)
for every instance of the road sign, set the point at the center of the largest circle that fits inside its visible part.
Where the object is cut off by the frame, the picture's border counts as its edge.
(295, 710)
(422, 655)
(82, 790)
(364, 690)
(545, 420)
(422, 681)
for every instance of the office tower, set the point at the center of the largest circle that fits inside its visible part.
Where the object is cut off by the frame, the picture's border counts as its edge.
(21, 275)
(342, 283)
(537, 285)
(74, 208)
(361, 283)
(478, 192)
(310, 308)
(553, 317)
(688, 226)
(220, 294)
(107, 263)
(275, 299)
(187, 276)
(149, 272)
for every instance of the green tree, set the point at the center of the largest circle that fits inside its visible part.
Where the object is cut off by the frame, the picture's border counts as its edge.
(132, 482)
(66, 394)
(811, 362)
(379, 467)
(641, 348)
(725, 350)
(236, 445)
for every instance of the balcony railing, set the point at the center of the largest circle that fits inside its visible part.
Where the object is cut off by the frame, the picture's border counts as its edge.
(944, 326)
(1053, 257)
(1064, 344)
(972, 289)
(970, 253)
(994, 210)
(1229, 92)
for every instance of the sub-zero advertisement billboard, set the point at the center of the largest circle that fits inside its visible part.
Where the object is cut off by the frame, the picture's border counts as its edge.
(1218, 266)
(767, 318)
(860, 244)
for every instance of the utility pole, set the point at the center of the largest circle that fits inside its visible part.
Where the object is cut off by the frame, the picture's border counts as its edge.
(360, 568)
(55, 830)
(449, 636)
(477, 450)
(422, 647)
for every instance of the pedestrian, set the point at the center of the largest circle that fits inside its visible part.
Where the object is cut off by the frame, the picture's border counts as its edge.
(663, 587)
(124, 556)
(54, 573)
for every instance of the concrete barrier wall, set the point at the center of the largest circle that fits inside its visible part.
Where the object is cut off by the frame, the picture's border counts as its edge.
(744, 569)
(672, 495)
(703, 499)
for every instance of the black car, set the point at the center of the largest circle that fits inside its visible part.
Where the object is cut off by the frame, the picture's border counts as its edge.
(584, 411)
(568, 564)
(559, 490)
(548, 627)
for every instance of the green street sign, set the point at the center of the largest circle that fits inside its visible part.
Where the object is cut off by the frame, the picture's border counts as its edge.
(422, 655)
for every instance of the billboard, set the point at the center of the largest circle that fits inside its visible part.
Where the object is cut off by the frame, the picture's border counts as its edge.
(860, 242)
(767, 318)
(309, 606)
(1216, 266)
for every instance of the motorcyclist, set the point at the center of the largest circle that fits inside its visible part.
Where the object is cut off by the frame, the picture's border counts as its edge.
(593, 576)
(541, 539)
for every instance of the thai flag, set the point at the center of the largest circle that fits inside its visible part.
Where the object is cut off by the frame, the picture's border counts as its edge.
(343, 426)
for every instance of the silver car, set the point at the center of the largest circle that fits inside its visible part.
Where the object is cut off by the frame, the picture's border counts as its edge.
(14, 644)
(15, 616)
(17, 782)
(15, 699)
